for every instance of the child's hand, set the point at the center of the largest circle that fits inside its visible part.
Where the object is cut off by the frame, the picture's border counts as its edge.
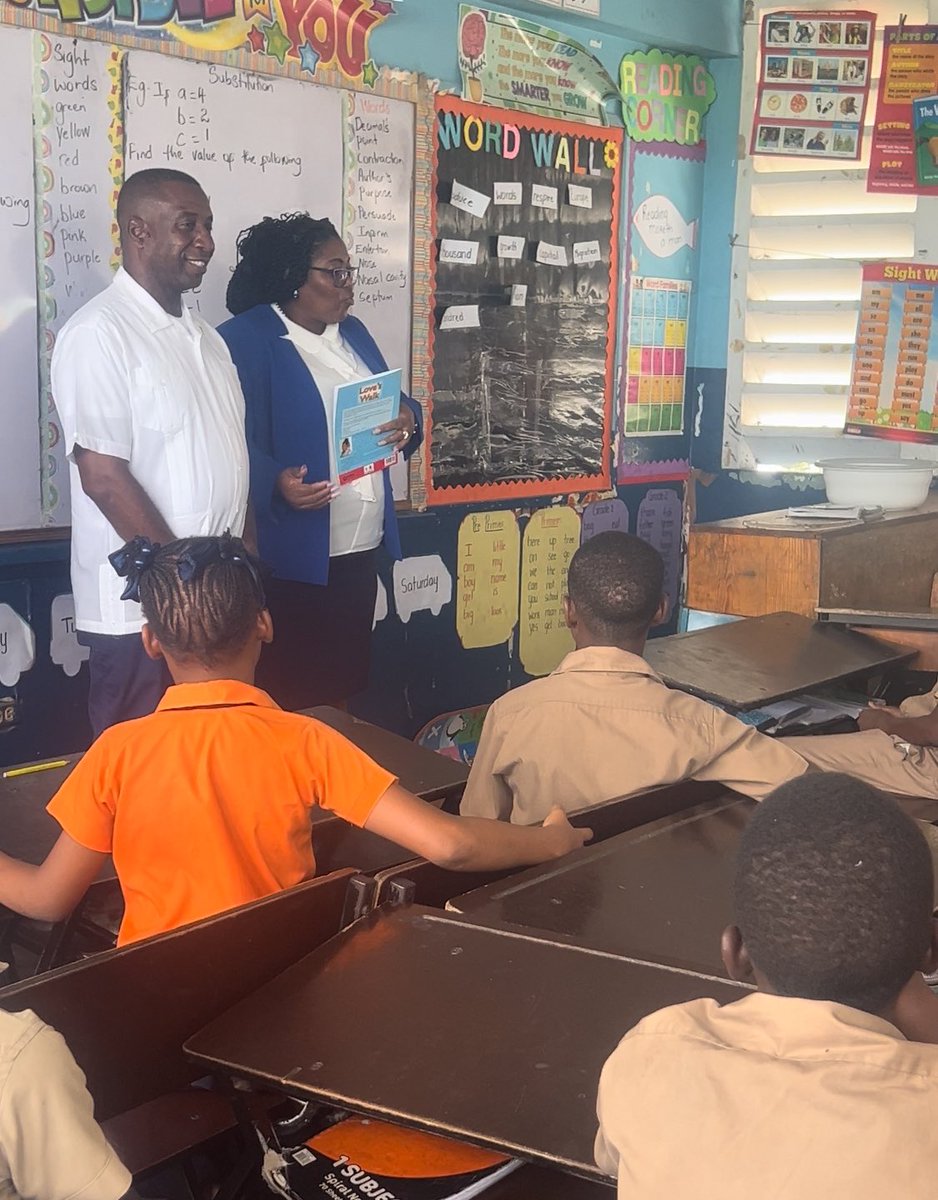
(564, 837)
(877, 716)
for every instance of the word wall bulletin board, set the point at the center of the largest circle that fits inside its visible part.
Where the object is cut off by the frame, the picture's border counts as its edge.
(525, 224)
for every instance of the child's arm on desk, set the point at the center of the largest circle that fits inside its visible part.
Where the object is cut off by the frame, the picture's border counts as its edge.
(50, 891)
(919, 731)
(470, 843)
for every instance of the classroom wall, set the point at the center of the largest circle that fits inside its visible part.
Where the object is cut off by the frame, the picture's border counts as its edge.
(420, 667)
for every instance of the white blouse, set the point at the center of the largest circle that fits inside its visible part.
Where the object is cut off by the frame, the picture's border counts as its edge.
(356, 515)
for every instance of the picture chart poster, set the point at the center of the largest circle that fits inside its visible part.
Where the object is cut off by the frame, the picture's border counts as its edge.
(895, 366)
(525, 222)
(814, 81)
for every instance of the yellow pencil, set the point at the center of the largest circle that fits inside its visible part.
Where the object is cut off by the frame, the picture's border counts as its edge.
(46, 766)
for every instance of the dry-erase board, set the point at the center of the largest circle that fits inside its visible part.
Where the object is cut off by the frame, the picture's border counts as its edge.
(526, 214)
(80, 114)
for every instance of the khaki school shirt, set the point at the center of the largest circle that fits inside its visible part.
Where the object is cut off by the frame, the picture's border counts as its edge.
(604, 725)
(51, 1147)
(771, 1097)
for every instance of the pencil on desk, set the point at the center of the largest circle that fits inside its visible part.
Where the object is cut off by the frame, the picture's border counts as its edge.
(30, 770)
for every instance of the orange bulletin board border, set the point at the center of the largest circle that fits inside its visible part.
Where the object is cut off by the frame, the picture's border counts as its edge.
(553, 485)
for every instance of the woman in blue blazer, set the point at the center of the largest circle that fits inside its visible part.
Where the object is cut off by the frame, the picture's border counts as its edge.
(292, 341)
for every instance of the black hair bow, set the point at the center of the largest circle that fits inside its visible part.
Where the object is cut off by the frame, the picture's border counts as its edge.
(223, 549)
(131, 561)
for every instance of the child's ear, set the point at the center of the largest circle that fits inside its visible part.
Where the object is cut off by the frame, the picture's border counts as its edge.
(569, 612)
(930, 963)
(265, 626)
(735, 956)
(662, 613)
(151, 643)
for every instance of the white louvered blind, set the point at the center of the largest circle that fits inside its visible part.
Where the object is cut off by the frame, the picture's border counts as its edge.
(803, 228)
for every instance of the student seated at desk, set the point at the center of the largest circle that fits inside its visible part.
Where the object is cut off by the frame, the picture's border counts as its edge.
(205, 804)
(51, 1147)
(604, 725)
(896, 748)
(819, 1084)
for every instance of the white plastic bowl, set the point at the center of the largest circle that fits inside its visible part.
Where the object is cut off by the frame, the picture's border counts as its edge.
(892, 483)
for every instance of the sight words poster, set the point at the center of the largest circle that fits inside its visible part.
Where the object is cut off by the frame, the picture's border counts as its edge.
(895, 367)
(525, 221)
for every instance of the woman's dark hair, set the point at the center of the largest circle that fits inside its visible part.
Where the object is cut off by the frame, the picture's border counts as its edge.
(273, 259)
(200, 595)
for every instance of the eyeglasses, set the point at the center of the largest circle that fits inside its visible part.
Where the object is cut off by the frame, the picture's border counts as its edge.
(341, 276)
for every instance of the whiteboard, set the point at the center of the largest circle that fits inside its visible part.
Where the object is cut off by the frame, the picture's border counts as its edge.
(19, 389)
(259, 146)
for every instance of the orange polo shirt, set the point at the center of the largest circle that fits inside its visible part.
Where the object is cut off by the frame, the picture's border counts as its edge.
(205, 804)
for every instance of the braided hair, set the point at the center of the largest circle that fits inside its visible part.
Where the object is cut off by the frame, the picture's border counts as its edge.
(274, 258)
(200, 596)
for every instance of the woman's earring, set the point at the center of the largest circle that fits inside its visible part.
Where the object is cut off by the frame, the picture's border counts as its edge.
(296, 294)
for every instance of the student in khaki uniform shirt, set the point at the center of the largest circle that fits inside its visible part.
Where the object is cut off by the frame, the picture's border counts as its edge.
(820, 1084)
(896, 750)
(51, 1147)
(603, 724)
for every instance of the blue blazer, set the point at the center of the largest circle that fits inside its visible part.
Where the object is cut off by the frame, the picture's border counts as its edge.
(286, 426)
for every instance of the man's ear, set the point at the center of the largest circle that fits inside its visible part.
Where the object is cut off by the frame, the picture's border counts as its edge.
(265, 627)
(930, 962)
(137, 230)
(151, 643)
(661, 614)
(735, 956)
(569, 613)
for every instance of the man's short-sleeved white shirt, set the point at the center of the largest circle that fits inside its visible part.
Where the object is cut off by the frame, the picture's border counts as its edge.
(162, 393)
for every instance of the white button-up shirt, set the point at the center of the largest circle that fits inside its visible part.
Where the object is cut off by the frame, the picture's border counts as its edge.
(161, 392)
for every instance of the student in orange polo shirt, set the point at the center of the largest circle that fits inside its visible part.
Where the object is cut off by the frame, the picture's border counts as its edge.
(205, 804)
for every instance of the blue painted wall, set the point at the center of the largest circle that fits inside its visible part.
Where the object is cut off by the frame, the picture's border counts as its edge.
(420, 668)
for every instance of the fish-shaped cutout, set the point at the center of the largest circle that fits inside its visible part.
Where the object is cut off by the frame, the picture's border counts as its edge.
(662, 228)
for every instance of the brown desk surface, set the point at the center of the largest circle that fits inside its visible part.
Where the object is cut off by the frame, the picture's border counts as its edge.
(661, 893)
(760, 659)
(494, 1037)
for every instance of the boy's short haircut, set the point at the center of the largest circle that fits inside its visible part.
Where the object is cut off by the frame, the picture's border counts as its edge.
(834, 892)
(201, 597)
(615, 581)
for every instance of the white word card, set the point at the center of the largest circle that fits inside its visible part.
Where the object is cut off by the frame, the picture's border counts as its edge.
(507, 193)
(586, 252)
(543, 196)
(551, 256)
(452, 251)
(510, 247)
(461, 316)
(519, 295)
(579, 196)
(468, 199)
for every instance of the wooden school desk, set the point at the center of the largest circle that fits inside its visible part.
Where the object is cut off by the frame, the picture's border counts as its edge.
(415, 1016)
(760, 659)
(661, 893)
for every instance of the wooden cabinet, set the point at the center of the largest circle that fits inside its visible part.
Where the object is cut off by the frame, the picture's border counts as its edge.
(767, 563)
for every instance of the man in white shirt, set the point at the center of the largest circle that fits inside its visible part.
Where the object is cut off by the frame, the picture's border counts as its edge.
(51, 1147)
(153, 417)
